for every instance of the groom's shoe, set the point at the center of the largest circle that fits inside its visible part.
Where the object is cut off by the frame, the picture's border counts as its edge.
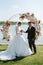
(34, 52)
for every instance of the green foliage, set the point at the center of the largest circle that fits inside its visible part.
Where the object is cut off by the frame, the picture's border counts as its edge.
(1, 22)
(13, 23)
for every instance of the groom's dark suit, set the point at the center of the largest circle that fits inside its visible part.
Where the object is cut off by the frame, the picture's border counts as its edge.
(31, 37)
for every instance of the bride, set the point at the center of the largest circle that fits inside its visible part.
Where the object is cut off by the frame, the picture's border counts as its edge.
(17, 47)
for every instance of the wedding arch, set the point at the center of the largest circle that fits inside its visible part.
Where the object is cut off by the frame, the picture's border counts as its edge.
(30, 17)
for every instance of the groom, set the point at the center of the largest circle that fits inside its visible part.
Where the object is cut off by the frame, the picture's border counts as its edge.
(31, 36)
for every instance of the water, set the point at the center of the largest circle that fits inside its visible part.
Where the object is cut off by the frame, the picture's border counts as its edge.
(24, 27)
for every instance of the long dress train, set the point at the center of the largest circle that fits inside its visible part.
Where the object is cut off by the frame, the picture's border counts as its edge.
(17, 47)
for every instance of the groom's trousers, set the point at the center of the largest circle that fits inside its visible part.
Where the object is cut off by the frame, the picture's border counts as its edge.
(32, 44)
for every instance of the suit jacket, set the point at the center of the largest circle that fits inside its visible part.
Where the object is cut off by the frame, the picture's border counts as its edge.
(31, 32)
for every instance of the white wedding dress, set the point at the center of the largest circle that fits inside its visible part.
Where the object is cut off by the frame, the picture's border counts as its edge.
(17, 47)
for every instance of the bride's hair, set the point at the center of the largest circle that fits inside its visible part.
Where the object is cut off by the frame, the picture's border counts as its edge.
(19, 23)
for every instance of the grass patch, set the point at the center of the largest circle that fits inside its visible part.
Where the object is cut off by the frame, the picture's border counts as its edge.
(36, 59)
(3, 47)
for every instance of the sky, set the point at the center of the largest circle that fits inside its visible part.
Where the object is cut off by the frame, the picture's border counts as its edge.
(11, 7)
